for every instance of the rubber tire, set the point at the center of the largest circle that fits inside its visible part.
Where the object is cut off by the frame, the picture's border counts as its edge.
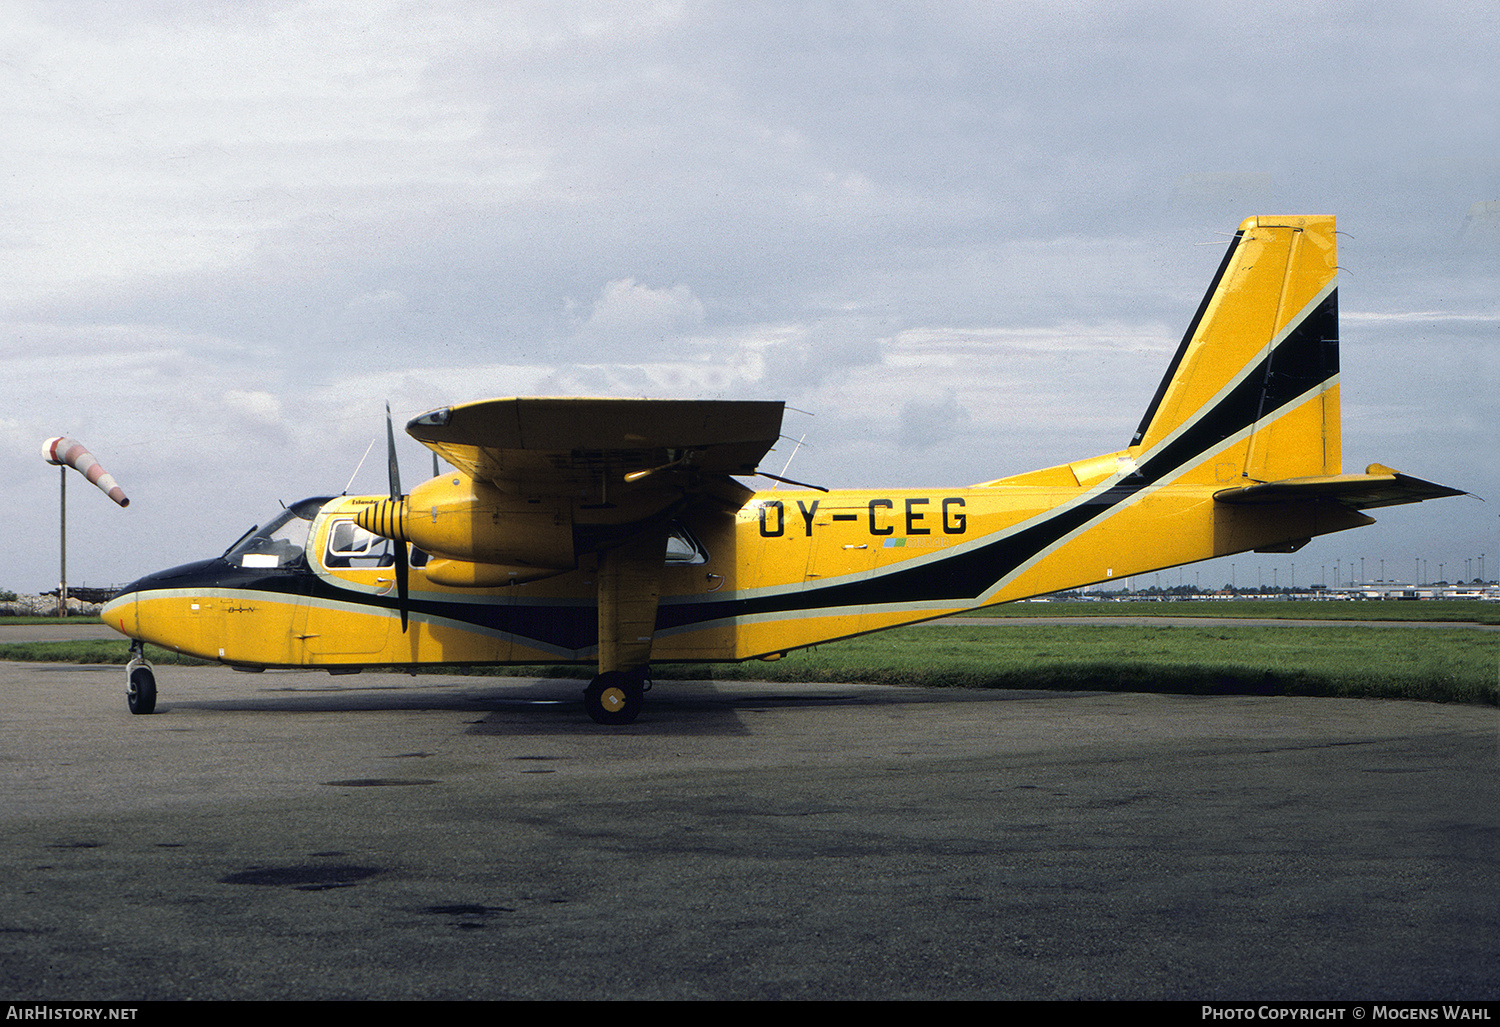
(614, 698)
(140, 694)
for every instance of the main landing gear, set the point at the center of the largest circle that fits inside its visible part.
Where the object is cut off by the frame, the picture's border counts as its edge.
(616, 696)
(140, 682)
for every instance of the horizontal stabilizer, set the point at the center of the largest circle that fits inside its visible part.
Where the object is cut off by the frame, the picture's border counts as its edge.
(1378, 486)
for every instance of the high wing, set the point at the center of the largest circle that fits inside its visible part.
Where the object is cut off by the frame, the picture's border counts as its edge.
(547, 483)
(1378, 486)
(573, 447)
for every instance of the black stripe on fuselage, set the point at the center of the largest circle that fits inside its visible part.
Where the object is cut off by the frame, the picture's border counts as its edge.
(1305, 359)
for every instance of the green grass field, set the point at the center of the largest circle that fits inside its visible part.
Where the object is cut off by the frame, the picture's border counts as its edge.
(1451, 610)
(1440, 664)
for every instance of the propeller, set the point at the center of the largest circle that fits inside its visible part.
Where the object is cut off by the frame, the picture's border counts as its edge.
(402, 557)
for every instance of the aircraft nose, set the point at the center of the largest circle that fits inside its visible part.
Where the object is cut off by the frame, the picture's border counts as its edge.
(120, 613)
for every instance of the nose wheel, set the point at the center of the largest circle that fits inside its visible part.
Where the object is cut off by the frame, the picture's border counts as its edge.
(140, 681)
(616, 696)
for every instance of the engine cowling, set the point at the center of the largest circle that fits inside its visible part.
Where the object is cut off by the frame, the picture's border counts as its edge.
(458, 518)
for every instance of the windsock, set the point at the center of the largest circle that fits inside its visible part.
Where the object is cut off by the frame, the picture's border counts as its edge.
(70, 453)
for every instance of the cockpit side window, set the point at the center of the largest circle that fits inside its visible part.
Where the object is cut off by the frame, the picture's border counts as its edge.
(281, 542)
(349, 545)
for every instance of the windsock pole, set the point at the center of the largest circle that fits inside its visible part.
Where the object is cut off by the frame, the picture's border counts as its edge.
(62, 535)
(66, 452)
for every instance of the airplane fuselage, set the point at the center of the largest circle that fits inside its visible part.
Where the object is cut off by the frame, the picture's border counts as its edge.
(787, 569)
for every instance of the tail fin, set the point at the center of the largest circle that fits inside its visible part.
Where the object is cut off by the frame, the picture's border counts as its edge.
(1252, 394)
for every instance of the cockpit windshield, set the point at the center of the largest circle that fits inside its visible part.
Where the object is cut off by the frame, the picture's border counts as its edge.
(281, 541)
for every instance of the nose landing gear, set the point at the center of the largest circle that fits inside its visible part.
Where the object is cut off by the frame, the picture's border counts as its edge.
(140, 682)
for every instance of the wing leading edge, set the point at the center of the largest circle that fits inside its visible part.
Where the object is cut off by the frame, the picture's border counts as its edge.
(559, 446)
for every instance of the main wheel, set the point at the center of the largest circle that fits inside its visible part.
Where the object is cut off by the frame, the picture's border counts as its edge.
(140, 693)
(614, 697)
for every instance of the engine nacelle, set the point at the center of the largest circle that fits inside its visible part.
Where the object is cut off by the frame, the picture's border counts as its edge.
(460, 519)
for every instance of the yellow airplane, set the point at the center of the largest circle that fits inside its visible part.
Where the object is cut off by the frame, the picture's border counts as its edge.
(613, 532)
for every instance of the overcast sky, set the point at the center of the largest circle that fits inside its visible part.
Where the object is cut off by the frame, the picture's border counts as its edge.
(960, 239)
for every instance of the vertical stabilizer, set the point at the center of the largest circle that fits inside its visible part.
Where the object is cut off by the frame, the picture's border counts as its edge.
(1255, 380)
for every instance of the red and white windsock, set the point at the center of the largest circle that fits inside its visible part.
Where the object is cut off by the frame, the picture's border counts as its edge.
(70, 453)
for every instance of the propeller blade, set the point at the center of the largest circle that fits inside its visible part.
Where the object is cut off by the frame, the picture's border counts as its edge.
(390, 454)
(403, 558)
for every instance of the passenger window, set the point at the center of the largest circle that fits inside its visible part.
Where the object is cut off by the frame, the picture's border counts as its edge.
(683, 550)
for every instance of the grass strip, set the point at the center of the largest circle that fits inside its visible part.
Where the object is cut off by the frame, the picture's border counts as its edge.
(1441, 665)
(91, 651)
(1434, 665)
(1458, 611)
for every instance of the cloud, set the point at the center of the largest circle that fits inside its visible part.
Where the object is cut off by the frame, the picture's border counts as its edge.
(926, 423)
(632, 319)
(256, 413)
(965, 238)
